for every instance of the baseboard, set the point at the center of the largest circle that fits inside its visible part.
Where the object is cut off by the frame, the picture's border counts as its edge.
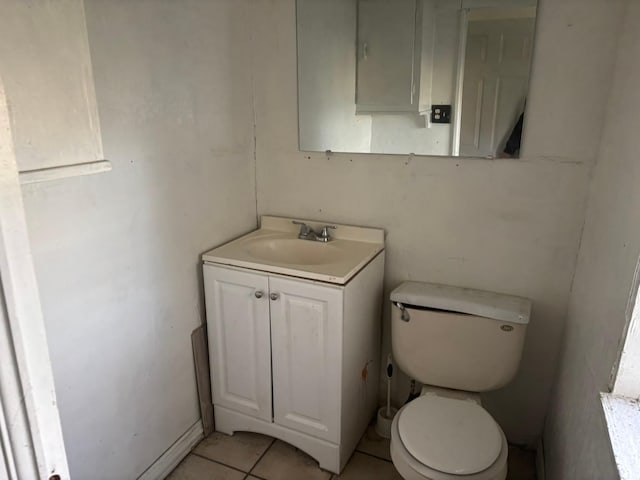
(174, 454)
(540, 474)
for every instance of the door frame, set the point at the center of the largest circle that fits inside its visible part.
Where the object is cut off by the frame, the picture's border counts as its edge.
(457, 103)
(31, 441)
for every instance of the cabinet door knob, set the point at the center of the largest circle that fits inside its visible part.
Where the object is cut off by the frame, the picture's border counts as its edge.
(259, 293)
(274, 296)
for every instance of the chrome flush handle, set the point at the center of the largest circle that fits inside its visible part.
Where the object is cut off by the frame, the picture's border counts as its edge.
(404, 315)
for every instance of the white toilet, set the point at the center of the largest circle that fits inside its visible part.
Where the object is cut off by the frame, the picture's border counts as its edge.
(457, 342)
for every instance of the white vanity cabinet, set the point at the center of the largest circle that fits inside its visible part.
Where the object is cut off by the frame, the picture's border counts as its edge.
(293, 358)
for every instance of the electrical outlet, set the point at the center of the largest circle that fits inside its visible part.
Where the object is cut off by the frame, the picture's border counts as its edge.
(440, 113)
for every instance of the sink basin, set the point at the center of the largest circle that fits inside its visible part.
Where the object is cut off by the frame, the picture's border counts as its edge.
(276, 248)
(294, 251)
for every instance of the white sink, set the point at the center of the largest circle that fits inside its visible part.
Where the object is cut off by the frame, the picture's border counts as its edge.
(275, 248)
(294, 251)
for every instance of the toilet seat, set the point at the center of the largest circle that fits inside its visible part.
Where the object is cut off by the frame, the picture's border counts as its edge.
(438, 438)
(450, 435)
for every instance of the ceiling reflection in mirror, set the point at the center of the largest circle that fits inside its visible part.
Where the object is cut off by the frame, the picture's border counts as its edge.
(427, 77)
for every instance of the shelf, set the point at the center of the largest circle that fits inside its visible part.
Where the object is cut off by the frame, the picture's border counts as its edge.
(64, 171)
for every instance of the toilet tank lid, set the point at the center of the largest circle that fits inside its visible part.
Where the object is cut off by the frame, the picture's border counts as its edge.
(507, 308)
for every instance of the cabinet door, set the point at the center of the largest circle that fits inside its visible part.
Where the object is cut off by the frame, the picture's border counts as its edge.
(386, 78)
(239, 340)
(46, 69)
(306, 339)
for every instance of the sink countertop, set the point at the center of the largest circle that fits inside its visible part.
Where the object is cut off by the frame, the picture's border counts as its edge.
(352, 247)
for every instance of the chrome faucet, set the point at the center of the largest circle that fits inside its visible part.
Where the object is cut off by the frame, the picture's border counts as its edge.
(308, 233)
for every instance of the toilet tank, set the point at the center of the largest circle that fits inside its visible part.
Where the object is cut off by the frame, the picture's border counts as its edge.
(456, 337)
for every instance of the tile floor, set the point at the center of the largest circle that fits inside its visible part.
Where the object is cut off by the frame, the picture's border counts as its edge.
(250, 456)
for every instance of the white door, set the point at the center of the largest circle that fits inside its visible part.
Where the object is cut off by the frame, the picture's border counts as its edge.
(496, 75)
(306, 339)
(239, 340)
(31, 443)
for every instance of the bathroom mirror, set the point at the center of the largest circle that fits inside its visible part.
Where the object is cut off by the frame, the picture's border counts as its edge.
(428, 77)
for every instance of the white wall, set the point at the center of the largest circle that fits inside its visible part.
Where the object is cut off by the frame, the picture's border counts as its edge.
(576, 440)
(405, 133)
(511, 226)
(447, 41)
(427, 38)
(498, 3)
(117, 254)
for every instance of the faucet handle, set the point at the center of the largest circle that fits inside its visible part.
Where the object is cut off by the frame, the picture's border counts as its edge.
(324, 233)
(305, 229)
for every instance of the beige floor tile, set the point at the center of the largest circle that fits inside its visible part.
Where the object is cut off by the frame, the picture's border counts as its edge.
(521, 464)
(198, 468)
(363, 466)
(240, 450)
(374, 444)
(284, 462)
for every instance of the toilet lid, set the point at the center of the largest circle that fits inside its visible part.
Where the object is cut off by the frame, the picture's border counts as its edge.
(453, 436)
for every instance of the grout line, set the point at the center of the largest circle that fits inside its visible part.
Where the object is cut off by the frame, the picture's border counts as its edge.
(273, 440)
(374, 456)
(219, 463)
(254, 476)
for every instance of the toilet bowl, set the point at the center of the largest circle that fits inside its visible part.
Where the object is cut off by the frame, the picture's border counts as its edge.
(436, 438)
